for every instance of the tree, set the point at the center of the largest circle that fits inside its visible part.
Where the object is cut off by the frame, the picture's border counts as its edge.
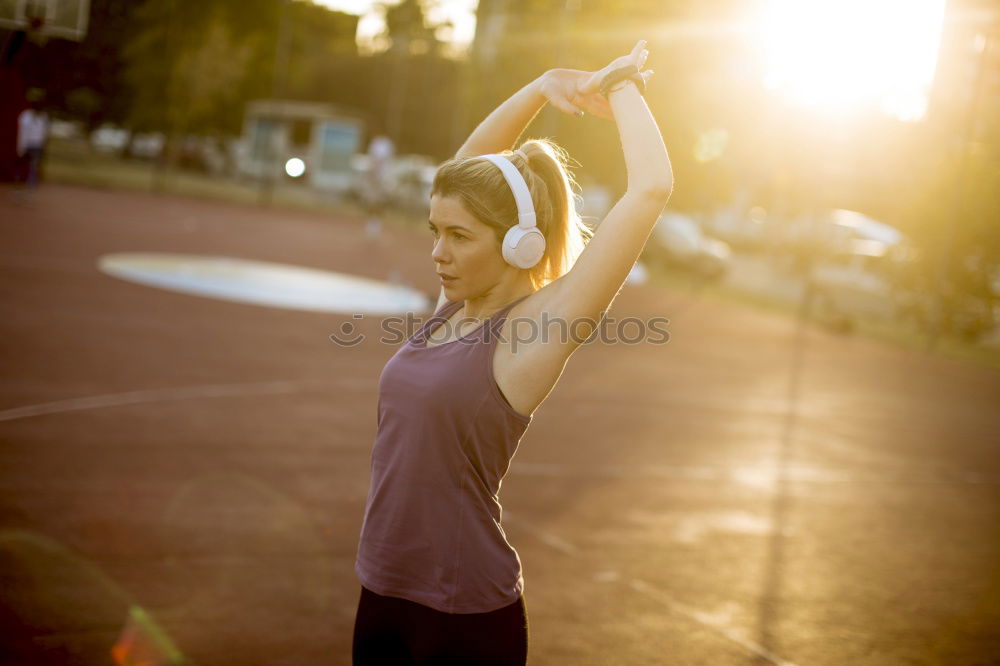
(191, 65)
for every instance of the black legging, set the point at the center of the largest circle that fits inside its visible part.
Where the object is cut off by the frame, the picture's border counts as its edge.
(389, 631)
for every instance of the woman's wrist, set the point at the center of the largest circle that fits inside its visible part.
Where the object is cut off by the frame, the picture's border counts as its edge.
(616, 76)
(622, 85)
(621, 82)
(539, 83)
(623, 90)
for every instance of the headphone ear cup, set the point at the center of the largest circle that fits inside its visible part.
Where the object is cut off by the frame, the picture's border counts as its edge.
(523, 248)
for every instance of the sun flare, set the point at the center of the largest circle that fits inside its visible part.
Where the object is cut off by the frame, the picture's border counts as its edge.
(844, 55)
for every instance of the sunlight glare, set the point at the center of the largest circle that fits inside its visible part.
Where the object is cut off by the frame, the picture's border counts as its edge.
(295, 167)
(844, 55)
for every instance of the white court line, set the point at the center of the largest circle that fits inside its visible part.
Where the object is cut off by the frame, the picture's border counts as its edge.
(546, 537)
(155, 395)
(760, 475)
(710, 621)
(713, 622)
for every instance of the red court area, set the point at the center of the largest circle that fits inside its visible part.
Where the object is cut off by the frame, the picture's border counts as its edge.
(182, 478)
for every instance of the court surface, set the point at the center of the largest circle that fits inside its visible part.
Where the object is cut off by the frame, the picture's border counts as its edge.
(183, 475)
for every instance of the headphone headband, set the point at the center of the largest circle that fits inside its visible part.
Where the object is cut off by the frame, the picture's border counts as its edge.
(517, 184)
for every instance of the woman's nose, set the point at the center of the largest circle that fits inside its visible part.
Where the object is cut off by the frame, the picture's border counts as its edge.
(438, 253)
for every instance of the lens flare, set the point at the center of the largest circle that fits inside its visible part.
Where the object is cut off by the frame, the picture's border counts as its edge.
(295, 167)
(845, 55)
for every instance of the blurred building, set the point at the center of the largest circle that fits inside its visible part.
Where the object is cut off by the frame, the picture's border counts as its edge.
(322, 137)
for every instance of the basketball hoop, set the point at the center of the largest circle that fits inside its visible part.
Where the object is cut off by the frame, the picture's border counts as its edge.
(41, 20)
(35, 13)
(35, 25)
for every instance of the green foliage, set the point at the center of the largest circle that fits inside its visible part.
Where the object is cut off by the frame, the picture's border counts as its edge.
(192, 65)
(406, 26)
(83, 102)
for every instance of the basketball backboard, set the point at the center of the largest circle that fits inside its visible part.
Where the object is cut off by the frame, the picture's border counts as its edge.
(49, 18)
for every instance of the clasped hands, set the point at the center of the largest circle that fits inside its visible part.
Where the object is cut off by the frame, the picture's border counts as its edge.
(574, 91)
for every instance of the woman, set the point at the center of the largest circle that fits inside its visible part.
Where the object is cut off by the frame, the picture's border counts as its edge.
(440, 582)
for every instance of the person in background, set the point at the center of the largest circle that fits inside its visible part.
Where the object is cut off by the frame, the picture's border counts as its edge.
(32, 134)
(381, 151)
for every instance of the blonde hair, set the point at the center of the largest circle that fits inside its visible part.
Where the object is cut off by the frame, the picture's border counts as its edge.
(484, 193)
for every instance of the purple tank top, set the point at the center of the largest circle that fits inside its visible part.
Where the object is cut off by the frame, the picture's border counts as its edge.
(446, 434)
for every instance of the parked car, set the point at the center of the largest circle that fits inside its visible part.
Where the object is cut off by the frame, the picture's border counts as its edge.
(147, 146)
(414, 175)
(677, 241)
(409, 179)
(859, 267)
(65, 129)
(860, 279)
(109, 138)
(743, 230)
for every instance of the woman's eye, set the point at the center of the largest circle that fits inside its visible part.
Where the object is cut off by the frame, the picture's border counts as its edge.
(455, 235)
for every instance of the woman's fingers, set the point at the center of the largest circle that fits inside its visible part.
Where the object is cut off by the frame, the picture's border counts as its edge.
(559, 89)
(564, 105)
(592, 83)
(640, 53)
(596, 106)
(636, 57)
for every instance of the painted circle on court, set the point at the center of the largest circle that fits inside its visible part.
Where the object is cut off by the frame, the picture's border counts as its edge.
(264, 283)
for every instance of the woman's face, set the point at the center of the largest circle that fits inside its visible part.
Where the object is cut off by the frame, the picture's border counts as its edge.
(465, 249)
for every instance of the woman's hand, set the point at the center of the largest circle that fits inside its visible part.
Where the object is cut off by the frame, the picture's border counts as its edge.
(561, 88)
(637, 58)
(571, 90)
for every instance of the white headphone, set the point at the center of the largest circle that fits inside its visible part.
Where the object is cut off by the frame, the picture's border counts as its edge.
(524, 243)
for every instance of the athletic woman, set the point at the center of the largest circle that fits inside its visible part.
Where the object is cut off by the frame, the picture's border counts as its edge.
(440, 584)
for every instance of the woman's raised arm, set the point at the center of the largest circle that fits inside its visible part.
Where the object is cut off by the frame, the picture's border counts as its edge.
(646, 160)
(560, 87)
(588, 289)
